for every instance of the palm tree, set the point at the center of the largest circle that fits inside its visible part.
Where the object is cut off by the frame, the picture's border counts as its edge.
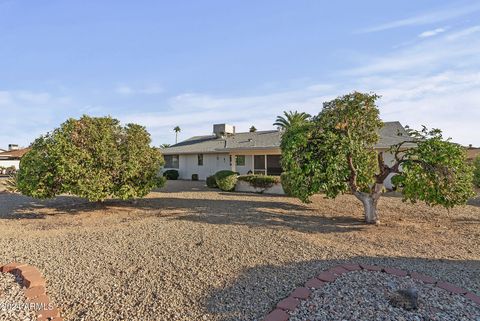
(163, 146)
(176, 130)
(291, 118)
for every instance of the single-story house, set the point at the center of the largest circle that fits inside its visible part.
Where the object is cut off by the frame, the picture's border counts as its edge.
(247, 152)
(11, 157)
(472, 152)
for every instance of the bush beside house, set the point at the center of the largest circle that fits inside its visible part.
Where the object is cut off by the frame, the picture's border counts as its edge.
(226, 180)
(211, 182)
(259, 184)
(260, 181)
(171, 174)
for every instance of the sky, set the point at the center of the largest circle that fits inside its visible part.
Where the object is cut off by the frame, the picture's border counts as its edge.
(191, 64)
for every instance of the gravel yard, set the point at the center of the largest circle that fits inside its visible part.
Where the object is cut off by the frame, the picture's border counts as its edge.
(364, 295)
(192, 253)
(13, 306)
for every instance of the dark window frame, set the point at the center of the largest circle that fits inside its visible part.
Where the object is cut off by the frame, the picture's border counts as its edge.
(169, 161)
(200, 159)
(240, 157)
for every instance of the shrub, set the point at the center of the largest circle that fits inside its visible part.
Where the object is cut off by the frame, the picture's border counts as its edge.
(260, 181)
(92, 157)
(286, 184)
(171, 174)
(476, 171)
(194, 177)
(211, 182)
(226, 180)
(224, 173)
(227, 183)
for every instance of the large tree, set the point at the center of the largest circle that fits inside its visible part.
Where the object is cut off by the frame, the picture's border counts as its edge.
(335, 153)
(94, 158)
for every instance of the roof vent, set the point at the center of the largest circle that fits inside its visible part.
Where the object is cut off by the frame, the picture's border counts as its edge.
(221, 130)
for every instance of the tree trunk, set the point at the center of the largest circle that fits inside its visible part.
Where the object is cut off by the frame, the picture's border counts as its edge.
(370, 206)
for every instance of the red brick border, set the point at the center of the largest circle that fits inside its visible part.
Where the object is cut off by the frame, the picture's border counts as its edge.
(35, 291)
(280, 313)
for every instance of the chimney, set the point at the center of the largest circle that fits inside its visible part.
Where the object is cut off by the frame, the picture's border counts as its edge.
(12, 147)
(222, 130)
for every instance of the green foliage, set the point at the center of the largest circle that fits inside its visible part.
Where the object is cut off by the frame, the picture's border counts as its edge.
(171, 174)
(211, 182)
(226, 180)
(194, 177)
(224, 173)
(476, 171)
(260, 181)
(94, 158)
(335, 153)
(436, 171)
(291, 118)
(286, 183)
(315, 154)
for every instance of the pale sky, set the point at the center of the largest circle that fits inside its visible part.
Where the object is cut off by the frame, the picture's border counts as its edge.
(195, 63)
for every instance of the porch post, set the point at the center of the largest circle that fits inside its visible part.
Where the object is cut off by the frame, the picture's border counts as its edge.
(253, 164)
(234, 163)
(266, 172)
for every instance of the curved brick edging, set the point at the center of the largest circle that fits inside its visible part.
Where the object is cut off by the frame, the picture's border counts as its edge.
(302, 293)
(36, 292)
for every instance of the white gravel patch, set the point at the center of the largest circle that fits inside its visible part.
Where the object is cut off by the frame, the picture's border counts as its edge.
(13, 305)
(365, 295)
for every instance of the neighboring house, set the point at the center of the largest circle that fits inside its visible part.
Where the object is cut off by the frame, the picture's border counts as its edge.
(12, 156)
(472, 152)
(249, 152)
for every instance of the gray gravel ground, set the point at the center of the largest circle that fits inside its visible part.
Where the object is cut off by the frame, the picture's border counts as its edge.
(13, 306)
(364, 296)
(191, 253)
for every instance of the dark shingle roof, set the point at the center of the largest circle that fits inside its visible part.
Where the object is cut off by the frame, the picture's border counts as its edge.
(389, 135)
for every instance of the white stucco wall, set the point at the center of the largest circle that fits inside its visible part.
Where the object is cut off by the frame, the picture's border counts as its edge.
(389, 160)
(212, 163)
(8, 163)
(243, 170)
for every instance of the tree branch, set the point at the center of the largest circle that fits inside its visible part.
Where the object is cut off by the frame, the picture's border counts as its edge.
(353, 174)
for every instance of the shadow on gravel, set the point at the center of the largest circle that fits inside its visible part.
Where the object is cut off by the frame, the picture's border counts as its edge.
(274, 213)
(257, 290)
(15, 206)
(268, 211)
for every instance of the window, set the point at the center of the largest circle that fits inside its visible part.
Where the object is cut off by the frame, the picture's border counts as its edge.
(259, 165)
(171, 161)
(240, 160)
(200, 159)
(274, 165)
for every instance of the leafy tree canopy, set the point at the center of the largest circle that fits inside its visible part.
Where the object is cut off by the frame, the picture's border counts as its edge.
(335, 153)
(94, 158)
